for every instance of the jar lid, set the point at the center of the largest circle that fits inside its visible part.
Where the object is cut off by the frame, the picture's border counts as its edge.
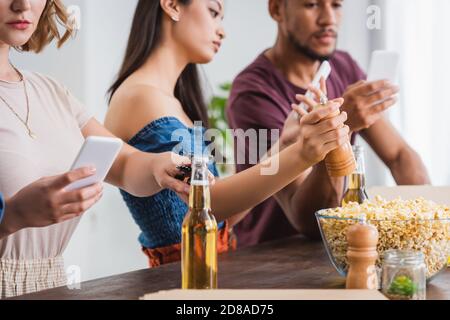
(403, 257)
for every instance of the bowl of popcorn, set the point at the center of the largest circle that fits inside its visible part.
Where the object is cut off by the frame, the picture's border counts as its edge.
(419, 225)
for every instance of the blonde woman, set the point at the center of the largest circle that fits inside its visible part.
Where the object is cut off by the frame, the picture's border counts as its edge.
(42, 127)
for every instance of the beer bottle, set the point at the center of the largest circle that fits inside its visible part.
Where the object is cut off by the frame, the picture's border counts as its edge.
(356, 180)
(199, 233)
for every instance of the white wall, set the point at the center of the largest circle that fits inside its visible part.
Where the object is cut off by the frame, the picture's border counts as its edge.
(106, 240)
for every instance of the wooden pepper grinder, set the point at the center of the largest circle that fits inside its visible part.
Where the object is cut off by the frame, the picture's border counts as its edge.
(362, 254)
(341, 161)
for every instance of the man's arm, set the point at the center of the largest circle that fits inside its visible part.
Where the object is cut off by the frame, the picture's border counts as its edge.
(404, 163)
(312, 191)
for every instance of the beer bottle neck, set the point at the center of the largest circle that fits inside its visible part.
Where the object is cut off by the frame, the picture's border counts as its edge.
(357, 178)
(356, 181)
(360, 165)
(199, 197)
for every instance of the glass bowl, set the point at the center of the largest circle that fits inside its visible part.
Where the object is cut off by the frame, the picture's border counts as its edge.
(431, 237)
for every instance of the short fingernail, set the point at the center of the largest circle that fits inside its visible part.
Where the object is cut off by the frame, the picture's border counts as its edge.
(187, 189)
(92, 169)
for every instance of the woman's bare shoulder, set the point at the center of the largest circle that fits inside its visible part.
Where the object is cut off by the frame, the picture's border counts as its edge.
(139, 104)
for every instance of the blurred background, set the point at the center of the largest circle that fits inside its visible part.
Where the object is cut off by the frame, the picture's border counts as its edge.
(106, 241)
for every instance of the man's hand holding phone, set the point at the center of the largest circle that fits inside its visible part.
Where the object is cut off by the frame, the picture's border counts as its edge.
(365, 101)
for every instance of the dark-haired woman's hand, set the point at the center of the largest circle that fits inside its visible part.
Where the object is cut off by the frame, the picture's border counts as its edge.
(165, 167)
(323, 129)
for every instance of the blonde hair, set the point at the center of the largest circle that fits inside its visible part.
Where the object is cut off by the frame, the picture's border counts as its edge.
(54, 14)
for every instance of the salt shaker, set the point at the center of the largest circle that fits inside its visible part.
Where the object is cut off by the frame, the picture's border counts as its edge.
(362, 254)
(404, 275)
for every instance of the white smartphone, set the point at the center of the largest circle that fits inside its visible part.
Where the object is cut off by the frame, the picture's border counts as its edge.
(384, 66)
(98, 152)
(323, 72)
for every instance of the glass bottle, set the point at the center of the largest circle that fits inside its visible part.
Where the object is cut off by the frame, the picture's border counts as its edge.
(199, 233)
(356, 191)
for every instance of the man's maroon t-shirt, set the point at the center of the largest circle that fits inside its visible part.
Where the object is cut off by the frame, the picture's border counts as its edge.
(261, 98)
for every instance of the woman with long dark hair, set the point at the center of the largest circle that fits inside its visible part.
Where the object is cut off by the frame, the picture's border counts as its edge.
(158, 91)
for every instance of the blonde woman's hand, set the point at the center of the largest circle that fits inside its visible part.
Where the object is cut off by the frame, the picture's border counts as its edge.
(46, 201)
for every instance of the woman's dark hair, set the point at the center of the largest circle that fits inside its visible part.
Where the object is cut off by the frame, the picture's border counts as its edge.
(144, 37)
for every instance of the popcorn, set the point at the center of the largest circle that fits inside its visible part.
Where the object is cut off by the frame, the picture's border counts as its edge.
(419, 225)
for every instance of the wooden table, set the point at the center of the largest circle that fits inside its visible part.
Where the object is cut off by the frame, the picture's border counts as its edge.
(292, 263)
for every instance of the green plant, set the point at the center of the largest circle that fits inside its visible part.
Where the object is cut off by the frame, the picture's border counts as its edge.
(403, 286)
(216, 108)
(218, 120)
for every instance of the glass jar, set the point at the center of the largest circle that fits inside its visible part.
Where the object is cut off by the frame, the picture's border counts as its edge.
(404, 275)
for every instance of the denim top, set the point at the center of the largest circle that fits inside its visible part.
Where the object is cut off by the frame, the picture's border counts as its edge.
(2, 206)
(160, 217)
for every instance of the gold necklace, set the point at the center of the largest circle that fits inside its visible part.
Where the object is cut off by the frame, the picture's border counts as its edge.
(25, 122)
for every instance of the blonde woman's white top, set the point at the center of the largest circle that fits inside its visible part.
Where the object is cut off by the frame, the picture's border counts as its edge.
(30, 260)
